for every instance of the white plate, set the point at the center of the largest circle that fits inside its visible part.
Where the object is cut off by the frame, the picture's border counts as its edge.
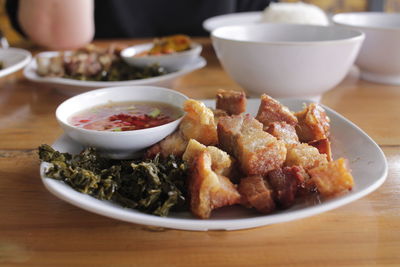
(73, 87)
(367, 161)
(212, 23)
(173, 61)
(13, 60)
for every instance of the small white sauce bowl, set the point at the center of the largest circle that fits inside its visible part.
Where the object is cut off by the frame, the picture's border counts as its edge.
(172, 61)
(379, 58)
(125, 144)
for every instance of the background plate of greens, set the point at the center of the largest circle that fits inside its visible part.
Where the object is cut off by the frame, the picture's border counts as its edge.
(73, 87)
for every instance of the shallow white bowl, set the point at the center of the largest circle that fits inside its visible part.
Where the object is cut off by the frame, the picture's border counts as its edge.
(119, 145)
(168, 61)
(379, 58)
(13, 59)
(286, 60)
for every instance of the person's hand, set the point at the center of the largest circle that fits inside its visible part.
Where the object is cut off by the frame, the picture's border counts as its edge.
(57, 24)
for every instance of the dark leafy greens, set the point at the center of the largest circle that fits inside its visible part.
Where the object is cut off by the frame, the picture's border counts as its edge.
(118, 71)
(153, 186)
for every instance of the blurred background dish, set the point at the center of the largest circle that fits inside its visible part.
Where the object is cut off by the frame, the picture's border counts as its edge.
(287, 60)
(169, 61)
(379, 58)
(13, 59)
(72, 86)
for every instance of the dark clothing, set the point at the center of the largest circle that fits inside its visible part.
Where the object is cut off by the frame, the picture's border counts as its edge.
(149, 18)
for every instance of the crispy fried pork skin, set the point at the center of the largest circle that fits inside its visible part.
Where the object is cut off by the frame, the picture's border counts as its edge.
(221, 162)
(313, 123)
(305, 156)
(199, 123)
(257, 151)
(333, 178)
(233, 102)
(256, 193)
(218, 113)
(283, 131)
(207, 189)
(271, 111)
(323, 146)
(173, 144)
(285, 183)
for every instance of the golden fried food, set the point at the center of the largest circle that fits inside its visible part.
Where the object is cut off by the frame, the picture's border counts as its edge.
(256, 193)
(323, 146)
(221, 162)
(313, 123)
(305, 156)
(271, 110)
(257, 151)
(233, 102)
(207, 189)
(333, 178)
(198, 123)
(283, 131)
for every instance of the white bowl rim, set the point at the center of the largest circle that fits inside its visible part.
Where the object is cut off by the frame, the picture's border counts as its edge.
(194, 48)
(358, 35)
(336, 16)
(115, 88)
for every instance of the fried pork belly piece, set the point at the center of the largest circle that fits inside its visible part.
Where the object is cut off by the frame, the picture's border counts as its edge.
(283, 131)
(333, 178)
(207, 189)
(323, 146)
(218, 113)
(233, 102)
(221, 162)
(305, 156)
(313, 123)
(173, 144)
(198, 123)
(257, 151)
(285, 183)
(256, 193)
(271, 110)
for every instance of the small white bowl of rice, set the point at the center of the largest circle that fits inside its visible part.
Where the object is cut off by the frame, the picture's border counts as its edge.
(295, 13)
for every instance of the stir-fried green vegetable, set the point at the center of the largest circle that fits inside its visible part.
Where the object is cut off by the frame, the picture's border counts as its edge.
(120, 71)
(153, 186)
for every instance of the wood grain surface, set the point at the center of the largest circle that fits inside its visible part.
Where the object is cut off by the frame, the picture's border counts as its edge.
(38, 229)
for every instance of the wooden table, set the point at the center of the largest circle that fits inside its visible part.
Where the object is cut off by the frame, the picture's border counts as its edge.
(38, 229)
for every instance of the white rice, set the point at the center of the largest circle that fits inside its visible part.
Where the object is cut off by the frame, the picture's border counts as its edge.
(295, 13)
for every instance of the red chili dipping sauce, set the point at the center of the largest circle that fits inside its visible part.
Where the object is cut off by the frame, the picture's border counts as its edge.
(125, 116)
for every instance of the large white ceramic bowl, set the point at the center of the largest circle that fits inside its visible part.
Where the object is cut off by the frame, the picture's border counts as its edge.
(119, 145)
(379, 58)
(170, 61)
(286, 60)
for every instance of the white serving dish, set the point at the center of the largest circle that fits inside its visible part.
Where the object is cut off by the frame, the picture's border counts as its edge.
(379, 58)
(13, 60)
(125, 144)
(287, 60)
(73, 87)
(366, 159)
(169, 61)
